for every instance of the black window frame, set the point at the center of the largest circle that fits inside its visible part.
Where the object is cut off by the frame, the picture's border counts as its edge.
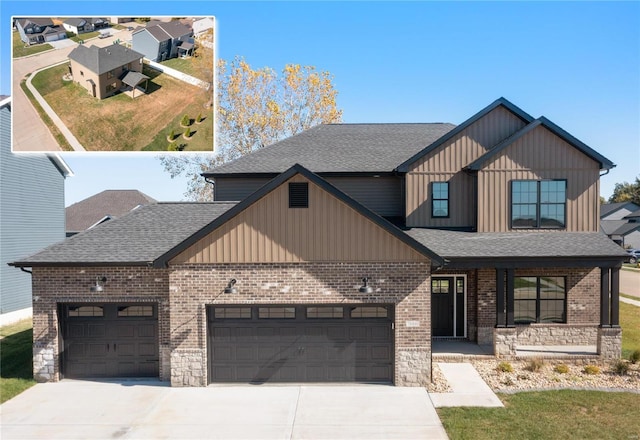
(434, 199)
(538, 301)
(538, 205)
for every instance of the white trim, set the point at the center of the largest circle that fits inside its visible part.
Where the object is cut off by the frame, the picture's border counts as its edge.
(6, 101)
(15, 316)
(455, 305)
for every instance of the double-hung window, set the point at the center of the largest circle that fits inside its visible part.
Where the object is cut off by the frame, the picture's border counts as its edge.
(538, 204)
(440, 199)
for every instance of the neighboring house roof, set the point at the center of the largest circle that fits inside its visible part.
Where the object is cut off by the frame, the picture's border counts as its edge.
(500, 102)
(39, 21)
(106, 204)
(162, 31)
(609, 227)
(340, 148)
(609, 208)
(75, 22)
(634, 214)
(156, 233)
(515, 249)
(102, 60)
(137, 238)
(626, 229)
(605, 163)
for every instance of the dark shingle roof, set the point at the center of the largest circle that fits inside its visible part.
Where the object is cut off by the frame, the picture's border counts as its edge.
(340, 148)
(610, 208)
(626, 228)
(112, 203)
(162, 31)
(40, 21)
(102, 60)
(634, 214)
(489, 245)
(609, 227)
(74, 21)
(137, 238)
(132, 78)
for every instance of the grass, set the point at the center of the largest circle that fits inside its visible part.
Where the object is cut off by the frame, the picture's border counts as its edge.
(57, 135)
(84, 37)
(19, 49)
(194, 66)
(201, 140)
(119, 123)
(630, 323)
(543, 415)
(16, 374)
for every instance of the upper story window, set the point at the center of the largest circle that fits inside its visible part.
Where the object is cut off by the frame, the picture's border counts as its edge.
(110, 74)
(440, 199)
(298, 195)
(538, 203)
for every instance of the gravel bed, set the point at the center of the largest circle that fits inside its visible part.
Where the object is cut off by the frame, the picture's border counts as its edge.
(522, 379)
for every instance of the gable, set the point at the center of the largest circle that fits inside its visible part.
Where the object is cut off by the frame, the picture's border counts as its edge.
(268, 231)
(471, 142)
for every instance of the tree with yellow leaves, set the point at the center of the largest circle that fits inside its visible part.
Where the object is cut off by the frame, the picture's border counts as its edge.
(256, 108)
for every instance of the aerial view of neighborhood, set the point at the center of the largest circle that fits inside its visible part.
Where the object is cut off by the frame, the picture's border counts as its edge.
(113, 83)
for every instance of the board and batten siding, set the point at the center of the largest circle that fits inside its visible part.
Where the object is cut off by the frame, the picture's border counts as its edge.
(539, 155)
(31, 215)
(269, 231)
(446, 163)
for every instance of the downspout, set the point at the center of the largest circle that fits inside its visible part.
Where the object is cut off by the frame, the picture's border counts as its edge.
(607, 172)
(26, 270)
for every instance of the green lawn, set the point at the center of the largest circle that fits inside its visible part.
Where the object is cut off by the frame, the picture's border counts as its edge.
(630, 322)
(84, 37)
(201, 139)
(16, 374)
(19, 49)
(195, 65)
(565, 414)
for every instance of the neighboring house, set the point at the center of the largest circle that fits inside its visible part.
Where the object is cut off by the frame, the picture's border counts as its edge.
(101, 207)
(160, 41)
(79, 25)
(39, 30)
(118, 20)
(106, 71)
(621, 223)
(351, 248)
(31, 218)
(202, 26)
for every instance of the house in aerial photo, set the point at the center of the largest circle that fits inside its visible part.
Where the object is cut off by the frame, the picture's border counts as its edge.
(79, 25)
(343, 266)
(39, 30)
(160, 41)
(105, 71)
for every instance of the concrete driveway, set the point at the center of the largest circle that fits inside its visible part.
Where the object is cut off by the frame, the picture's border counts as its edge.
(153, 410)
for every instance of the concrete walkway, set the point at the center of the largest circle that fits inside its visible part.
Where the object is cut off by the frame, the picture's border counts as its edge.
(469, 389)
(153, 410)
(630, 301)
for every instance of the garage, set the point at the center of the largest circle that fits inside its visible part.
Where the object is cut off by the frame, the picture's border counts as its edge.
(109, 340)
(293, 343)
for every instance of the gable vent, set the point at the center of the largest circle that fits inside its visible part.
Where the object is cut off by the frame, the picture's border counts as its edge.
(298, 195)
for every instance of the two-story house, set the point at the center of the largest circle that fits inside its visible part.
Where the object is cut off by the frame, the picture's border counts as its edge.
(621, 223)
(105, 71)
(339, 254)
(79, 25)
(160, 41)
(38, 30)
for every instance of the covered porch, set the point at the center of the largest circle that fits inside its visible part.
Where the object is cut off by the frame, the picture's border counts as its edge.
(131, 82)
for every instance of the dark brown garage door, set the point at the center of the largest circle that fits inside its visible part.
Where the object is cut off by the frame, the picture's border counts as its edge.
(300, 343)
(110, 340)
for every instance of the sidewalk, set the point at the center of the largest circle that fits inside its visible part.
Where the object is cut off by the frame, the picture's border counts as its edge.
(469, 389)
(630, 301)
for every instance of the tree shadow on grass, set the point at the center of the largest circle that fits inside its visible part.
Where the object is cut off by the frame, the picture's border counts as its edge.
(16, 355)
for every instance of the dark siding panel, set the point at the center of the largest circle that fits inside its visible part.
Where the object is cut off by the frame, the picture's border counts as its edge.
(235, 190)
(382, 195)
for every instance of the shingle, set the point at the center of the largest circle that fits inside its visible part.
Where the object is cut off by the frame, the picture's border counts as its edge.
(454, 244)
(138, 237)
(610, 226)
(626, 228)
(341, 148)
(102, 60)
(74, 21)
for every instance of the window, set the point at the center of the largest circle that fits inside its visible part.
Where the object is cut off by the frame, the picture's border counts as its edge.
(439, 286)
(539, 299)
(85, 311)
(538, 203)
(325, 312)
(111, 87)
(110, 74)
(232, 313)
(276, 312)
(440, 199)
(135, 311)
(369, 312)
(298, 195)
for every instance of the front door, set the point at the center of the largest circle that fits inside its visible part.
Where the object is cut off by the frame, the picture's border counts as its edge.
(447, 306)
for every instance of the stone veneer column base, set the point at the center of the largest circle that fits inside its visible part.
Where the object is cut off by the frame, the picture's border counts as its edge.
(610, 342)
(43, 364)
(413, 368)
(485, 335)
(188, 368)
(504, 341)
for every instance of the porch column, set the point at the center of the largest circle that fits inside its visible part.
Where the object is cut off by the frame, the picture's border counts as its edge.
(500, 315)
(510, 297)
(615, 297)
(604, 297)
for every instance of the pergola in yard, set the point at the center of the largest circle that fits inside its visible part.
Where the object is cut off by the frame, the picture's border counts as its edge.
(133, 79)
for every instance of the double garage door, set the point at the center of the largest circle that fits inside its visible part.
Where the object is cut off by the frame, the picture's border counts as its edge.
(109, 340)
(352, 343)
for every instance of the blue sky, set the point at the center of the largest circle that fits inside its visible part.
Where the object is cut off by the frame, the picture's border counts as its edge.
(577, 63)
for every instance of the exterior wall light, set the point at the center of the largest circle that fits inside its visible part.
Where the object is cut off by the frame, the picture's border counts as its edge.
(99, 286)
(230, 287)
(365, 288)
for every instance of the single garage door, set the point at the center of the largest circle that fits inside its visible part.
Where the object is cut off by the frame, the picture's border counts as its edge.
(110, 340)
(316, 343)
